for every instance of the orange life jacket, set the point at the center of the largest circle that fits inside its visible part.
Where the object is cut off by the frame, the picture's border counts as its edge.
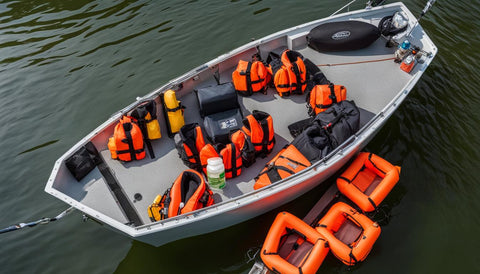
(245, 146)
(230, 155)
(250, 77)
(286, 163)
(146, 118)
(128, 140)
(188, 189)
(112, 147)
(259, 128)
(291, 77)
(324, 96)
(189, 142)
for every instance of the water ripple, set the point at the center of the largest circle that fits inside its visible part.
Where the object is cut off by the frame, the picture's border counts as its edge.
(124, 39)
(52, 24)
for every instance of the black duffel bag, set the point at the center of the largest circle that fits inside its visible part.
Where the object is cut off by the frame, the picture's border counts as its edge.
(217, 98)
(84, 160)
(313, 143)
(342, 36)
(341, 121)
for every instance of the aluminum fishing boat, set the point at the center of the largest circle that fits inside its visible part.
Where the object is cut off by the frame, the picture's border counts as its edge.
(373, 80)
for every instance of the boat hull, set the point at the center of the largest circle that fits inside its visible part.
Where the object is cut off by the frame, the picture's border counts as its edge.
(241, 213)
(252, 203)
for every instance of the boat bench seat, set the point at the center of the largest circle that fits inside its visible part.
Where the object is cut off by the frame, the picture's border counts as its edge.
(221, 111)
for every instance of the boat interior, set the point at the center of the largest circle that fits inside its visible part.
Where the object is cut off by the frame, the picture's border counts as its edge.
(370, 75)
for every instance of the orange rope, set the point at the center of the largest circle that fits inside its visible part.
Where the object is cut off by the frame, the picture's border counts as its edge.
(354, 63)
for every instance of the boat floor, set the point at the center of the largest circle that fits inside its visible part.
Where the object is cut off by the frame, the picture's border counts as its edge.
(370, 84)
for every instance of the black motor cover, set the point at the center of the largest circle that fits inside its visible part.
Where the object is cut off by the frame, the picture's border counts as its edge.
(342, 36)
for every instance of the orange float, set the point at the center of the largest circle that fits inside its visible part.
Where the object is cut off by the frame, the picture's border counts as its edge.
(349, 233)
(368, 180)
(286, 224)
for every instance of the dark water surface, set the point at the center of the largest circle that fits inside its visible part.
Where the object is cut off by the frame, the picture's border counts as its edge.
(67, 65)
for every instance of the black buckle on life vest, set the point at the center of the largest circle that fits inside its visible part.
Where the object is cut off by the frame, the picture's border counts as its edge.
(180, 107)
(332, 93)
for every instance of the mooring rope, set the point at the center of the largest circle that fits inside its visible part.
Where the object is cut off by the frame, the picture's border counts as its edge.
(251, 257)
(42, 221)
(354, 63)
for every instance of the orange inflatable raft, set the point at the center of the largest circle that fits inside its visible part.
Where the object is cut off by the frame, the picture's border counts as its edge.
(308, 254)
(368, 180)
(349, 233)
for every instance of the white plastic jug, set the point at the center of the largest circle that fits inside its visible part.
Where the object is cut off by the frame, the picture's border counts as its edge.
(216, 172)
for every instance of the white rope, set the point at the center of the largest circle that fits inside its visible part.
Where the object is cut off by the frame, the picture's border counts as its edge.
(347, 5)
(42, 221)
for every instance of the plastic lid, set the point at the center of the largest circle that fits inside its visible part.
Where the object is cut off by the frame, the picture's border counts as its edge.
(400, 19)
(215, 161)
(406, 44)
(409, 59)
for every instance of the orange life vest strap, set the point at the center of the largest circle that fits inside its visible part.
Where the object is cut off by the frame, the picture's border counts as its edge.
(180, 106)
(233, 160)
(272, 170)
(299, 83)
(192, 143)
(264, 127)
(247, 74)
(289, 64)
(139, 114)
(331, 96)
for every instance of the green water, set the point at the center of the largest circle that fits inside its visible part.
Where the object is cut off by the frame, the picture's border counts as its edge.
(66, 66)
